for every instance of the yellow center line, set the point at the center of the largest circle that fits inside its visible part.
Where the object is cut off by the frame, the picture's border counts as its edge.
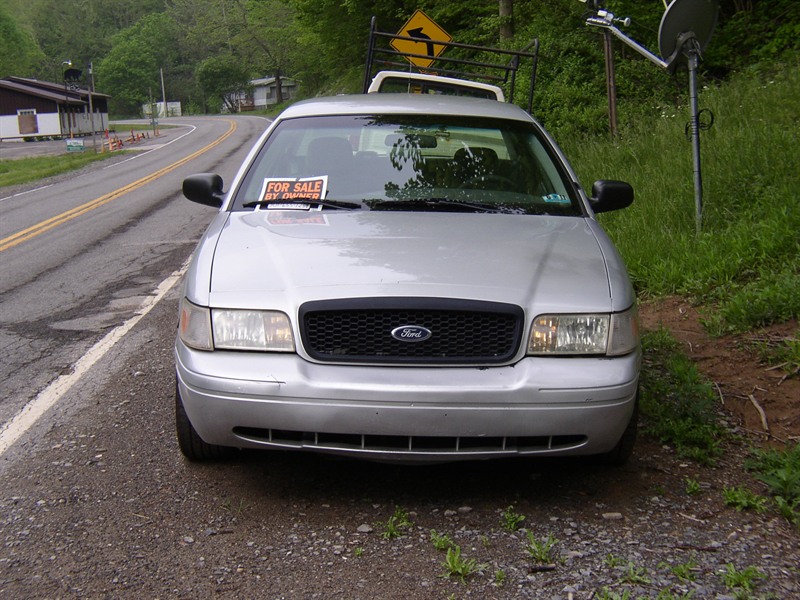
(48, 224)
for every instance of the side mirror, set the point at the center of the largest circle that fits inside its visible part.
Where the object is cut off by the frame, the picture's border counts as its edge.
(204, 188)
(610, 195)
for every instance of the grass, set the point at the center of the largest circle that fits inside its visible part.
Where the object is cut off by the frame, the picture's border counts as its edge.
(26, 170)
(677, 403)
(742, 499)
(744, 580)
(745, 263)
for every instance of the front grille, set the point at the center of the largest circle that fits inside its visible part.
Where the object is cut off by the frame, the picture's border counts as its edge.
(409, 445)
(461, 332)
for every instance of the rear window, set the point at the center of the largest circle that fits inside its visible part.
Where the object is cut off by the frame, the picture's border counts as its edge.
(404, 85)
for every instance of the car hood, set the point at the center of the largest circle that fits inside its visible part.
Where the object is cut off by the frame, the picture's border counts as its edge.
(280, 259)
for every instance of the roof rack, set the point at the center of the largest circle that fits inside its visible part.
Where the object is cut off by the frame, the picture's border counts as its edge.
(492, 72)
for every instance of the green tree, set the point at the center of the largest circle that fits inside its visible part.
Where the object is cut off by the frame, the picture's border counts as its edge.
(268, 39)
(130, 72)
(80, 31)
(19, 54)
(222, 78)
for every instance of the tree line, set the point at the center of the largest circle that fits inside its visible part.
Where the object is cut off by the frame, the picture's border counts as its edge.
(208, 50)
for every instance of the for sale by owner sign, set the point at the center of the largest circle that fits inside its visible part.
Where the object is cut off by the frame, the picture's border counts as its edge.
(287, 189)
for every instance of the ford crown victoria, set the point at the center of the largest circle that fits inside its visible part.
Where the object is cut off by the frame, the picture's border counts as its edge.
(407, 278)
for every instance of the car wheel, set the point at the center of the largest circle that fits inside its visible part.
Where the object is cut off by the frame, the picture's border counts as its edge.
(620, 454)
(191, 444)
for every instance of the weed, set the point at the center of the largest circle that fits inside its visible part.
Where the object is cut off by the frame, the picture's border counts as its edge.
(634, 574)
(607, 594)
(510, 520)
(741, 499)
(499, 578)
(613, 561)
(744, 580)
(780, 352)
(685, 571)
(395, 524)
(789, 510)
(780, 470)
(457, 566)
(692, 487)
(541, 551)
(236, 509)
(358, 552)
(667, 595)
(441, 541)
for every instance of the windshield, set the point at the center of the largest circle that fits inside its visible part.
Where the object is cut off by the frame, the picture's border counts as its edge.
(398, 162)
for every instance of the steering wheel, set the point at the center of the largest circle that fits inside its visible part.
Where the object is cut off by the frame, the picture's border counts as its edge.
(498, 182)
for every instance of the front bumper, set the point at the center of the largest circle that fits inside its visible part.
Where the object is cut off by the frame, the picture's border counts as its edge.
(539, 406)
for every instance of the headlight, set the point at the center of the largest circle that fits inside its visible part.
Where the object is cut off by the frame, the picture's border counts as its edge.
(267, 331)
(611, 335)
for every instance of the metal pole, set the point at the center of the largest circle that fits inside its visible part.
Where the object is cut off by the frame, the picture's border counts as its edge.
(695, 127)
(163, 93)
(91, 107)
(611, 83)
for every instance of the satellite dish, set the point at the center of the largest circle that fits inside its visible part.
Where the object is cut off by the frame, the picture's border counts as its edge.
(682, 16)
(685, 30)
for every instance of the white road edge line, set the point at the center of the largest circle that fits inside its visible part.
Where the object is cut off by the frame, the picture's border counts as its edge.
(145, 152)
(47, 398)
(44, 187)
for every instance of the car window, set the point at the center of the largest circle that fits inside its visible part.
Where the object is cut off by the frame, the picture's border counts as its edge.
(384, 161)
(408, 85)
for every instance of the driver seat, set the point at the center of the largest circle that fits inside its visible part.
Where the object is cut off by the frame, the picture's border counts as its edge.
(471, 162)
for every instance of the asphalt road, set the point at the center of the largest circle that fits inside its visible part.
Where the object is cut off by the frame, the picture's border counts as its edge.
(79, 253)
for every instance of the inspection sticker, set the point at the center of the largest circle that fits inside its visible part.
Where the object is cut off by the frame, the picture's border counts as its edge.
(556, 198)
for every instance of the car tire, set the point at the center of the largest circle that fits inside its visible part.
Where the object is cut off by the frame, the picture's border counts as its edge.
(620, 454)
(191, 444)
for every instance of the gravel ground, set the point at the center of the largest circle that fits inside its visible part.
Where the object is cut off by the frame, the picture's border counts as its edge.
(100, 504)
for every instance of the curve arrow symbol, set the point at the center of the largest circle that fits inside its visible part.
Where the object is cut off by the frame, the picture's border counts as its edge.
(423, 37)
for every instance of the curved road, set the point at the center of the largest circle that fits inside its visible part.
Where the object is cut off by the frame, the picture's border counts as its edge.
(79, 254)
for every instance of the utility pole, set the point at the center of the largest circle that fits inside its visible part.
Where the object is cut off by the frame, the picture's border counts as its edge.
(163, 93)
(91, 107)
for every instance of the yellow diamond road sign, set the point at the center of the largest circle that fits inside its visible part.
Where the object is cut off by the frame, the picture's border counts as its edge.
(425, 33)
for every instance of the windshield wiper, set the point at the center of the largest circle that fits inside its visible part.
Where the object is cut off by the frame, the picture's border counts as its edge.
(339, 204)
(436, 203)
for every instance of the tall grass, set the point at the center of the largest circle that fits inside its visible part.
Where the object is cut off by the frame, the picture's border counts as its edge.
(746, 261)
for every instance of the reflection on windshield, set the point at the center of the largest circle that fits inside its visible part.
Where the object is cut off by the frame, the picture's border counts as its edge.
(429, 162)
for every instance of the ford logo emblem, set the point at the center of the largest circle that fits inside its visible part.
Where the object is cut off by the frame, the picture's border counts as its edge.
(411, 333)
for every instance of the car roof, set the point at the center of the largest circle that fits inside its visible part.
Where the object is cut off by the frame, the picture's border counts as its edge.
(406, 104)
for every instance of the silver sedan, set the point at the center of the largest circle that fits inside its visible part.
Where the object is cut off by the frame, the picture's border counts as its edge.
(409, 278)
